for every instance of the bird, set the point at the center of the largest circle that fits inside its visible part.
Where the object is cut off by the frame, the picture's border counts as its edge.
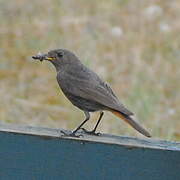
(86, 90)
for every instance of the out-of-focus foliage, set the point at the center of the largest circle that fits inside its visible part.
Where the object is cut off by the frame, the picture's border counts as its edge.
(134, 45)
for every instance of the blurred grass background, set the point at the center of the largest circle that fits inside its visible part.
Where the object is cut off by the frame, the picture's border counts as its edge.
(134, 45)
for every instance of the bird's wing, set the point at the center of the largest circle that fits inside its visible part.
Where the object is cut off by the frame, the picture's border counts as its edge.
(84, 83)
(103, 94)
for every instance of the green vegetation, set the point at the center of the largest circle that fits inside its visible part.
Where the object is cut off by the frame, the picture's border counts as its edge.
(134, 45)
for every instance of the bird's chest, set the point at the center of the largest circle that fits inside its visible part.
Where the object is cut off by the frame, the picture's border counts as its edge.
(70, 83)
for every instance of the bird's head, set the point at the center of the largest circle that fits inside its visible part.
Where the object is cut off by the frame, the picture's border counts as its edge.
(58, 57)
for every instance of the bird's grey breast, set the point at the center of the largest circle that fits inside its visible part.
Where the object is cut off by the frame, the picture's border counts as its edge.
(78, 83)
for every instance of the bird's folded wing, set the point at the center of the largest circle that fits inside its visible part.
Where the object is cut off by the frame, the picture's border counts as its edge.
(104, 96)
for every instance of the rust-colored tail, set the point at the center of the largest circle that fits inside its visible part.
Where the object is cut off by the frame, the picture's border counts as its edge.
(132, 122)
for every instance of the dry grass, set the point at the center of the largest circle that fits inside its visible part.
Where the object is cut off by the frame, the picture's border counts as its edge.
(134, 45)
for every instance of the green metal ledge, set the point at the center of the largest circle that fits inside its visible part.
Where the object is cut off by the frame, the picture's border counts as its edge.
(34, 153)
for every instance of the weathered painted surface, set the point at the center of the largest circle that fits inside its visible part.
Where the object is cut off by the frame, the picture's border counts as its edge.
(39, 153)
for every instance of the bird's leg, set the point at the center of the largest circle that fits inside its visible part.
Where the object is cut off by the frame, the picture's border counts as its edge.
(87, 118)
(93, 132)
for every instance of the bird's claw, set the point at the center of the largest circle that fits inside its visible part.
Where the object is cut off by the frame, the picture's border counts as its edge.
(90, 132)
(71, 134)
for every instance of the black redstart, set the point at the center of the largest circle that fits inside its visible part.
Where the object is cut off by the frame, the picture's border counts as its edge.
(86, 90)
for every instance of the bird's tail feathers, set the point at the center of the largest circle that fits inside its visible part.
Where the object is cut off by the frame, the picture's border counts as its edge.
(132, 122)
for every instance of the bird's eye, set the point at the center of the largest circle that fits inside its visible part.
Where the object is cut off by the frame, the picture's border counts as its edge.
(60, 54)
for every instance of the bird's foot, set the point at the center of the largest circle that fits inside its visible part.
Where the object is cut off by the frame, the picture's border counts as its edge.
(69, 134)
(93, 132)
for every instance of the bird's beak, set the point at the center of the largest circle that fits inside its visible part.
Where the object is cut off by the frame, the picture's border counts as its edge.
(42, 57)
(49, 58)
